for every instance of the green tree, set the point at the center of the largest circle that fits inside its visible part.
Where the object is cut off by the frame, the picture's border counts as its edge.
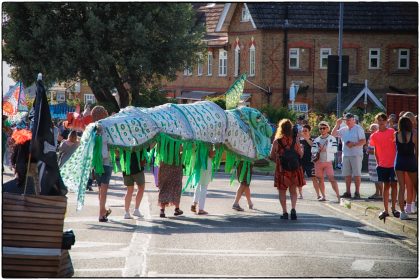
(128, 46)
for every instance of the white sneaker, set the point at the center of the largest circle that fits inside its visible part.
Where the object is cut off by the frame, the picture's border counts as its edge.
(403, 216)
(407, 208)
(127, 216)
(137, 213)
(413, 208)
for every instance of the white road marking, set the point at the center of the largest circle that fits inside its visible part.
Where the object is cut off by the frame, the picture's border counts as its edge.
(264, 253)
(353, 232)
(136, 259)
(359, 242)
(364, 265)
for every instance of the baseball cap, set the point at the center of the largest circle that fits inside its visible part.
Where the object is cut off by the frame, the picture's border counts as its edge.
(323, 123)
(348, 116)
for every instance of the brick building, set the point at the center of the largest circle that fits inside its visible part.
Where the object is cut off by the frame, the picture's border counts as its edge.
(284, 42)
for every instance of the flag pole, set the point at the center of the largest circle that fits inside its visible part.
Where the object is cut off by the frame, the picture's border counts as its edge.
(27, 173)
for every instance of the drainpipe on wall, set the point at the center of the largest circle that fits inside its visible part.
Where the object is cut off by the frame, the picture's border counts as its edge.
(285, 43)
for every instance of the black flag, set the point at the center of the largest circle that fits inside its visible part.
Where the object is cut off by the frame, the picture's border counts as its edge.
(43, 150)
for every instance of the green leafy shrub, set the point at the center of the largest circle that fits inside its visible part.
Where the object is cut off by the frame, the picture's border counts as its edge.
(369, 118)
(315, 118)
(219, 100)
(275, 114)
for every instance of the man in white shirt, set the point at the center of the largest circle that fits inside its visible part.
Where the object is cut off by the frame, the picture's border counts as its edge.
(353, 138)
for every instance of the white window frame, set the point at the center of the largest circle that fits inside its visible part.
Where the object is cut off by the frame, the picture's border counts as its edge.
(376, 56)
(187, 71)
(61, 96)
(245, 16)
(200, 65)
(324, 55)
(223, 63)
(209, 63)
(237, 57)
(401, 57)
(294, 56)
(89, 98)
(299, 107)
(252, 61)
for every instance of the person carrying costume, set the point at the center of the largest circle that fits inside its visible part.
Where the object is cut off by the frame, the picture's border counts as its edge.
(136, 175)
(170, 185)
(243, 188)
(99, 113)
(200, 191)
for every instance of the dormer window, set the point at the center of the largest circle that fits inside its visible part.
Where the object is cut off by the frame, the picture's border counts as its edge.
(245, 14)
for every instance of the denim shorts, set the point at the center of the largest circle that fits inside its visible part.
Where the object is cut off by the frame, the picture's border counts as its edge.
(386, 174)
(309, 169)
(105, 177)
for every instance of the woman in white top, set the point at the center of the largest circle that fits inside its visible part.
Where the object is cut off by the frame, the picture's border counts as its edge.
(327, 145)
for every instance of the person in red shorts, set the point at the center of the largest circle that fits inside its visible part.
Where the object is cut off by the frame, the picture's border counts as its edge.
(383, 141)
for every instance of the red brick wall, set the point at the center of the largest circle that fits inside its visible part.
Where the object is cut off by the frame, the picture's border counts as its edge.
(269, 63)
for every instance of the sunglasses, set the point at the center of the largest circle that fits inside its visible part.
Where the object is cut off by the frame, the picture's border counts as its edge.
(323, 127)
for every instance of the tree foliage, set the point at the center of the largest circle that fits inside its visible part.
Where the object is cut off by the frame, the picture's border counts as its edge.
(129, 46)
(275, 114)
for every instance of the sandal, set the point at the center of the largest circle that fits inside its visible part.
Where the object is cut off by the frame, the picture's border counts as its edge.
(395, 213)
(178, 212)
(162, 213)
(202, 212)
(285, 216)
(103, 219)
(293, 215)
(383, 215)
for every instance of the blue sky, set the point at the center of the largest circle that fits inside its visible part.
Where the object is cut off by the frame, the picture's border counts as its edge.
(6, 80)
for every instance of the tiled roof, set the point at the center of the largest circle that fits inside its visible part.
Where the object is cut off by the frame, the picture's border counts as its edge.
(358, 16)
(209, 14)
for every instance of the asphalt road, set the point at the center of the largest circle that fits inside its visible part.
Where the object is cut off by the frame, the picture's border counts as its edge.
(324, 242)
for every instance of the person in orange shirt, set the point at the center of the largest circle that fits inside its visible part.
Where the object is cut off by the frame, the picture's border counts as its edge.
(383, 141)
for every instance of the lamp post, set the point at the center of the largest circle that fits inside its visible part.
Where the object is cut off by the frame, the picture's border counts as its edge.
(340, 58)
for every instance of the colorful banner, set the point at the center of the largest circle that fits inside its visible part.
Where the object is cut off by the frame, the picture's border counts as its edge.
(14, 100)
(233, 94)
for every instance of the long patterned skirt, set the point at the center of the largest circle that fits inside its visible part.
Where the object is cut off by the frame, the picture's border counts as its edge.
(170, 184)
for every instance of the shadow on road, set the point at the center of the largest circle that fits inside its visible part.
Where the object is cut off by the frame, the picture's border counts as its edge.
(237, 223)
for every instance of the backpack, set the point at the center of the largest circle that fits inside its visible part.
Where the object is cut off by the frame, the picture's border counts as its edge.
(290, 160)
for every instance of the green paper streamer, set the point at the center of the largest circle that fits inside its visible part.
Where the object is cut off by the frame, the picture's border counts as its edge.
(97, 160)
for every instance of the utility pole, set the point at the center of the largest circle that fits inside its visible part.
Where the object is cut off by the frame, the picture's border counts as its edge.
(340, 59)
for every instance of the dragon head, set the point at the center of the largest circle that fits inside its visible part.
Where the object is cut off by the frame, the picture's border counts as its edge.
(260, 130)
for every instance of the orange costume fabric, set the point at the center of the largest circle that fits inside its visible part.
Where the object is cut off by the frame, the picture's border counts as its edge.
(282, 178)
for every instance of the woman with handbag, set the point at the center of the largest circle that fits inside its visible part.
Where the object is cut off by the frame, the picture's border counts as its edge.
(323, 149)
